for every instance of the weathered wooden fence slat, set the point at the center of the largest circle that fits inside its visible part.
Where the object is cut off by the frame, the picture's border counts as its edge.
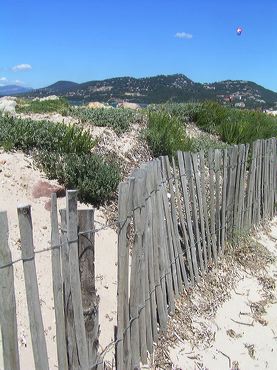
(188, 214)
(212, 202)
(90, 300)
(72, 236)
(31, 286)
(194, 208)
(205, 206)
(183, 225)
(8, 320)
(123, 349)
(199, 194)
(58, 286)
(181, 271)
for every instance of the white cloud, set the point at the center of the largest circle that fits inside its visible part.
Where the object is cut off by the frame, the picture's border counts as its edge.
(183, 35)
(3, 79)
(18, 82)
(21, 67)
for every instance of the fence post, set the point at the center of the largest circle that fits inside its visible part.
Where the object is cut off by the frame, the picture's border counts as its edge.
(123, 348)
(58, 286)
(90, 299)
(7, 297)
(31, 285)
(72, 235)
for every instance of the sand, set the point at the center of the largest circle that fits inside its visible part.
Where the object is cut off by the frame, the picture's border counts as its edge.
(17, 179)
(250, 346)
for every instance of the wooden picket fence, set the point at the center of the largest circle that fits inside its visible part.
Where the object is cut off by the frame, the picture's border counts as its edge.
(176, 219)
(75, 298)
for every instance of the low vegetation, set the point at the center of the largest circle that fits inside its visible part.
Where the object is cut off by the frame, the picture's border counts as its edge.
(166, 134)
(43, 135)
(45, 106)
(235, 126)
(119, 120)
(95, 178)
(64, 153)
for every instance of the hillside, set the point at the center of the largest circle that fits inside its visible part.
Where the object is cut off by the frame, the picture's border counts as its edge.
(13, 90)
(160, 89)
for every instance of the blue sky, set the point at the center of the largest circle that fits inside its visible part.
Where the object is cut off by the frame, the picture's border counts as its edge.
(45, 41)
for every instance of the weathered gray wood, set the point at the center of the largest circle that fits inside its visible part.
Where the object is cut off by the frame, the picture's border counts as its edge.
(188, 214)
(147, 243)
(199, 193)
(166, 254)
(258, 184)
(149, 240)
(190, 177)
(232, 151)
(173, 255)
(123, 349)
(242, 194)
(137, 292)
(72, 351)
(177, 244)
(224, 200)
(237, 189)
(250, 190)
(90, 299)
(212, 202)
(31, 286)
(205, 207)
(272, 174)
(8, 320)
(160, 265)
(217, 163)
(182, 221)
(141, 224)
(72, 236)
(162, 313)
(58, 286)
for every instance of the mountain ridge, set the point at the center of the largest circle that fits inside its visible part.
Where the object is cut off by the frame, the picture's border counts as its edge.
(161, 89)
(13, 90)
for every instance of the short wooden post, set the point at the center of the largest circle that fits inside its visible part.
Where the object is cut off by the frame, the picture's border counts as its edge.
(31, 286)
(7, 297)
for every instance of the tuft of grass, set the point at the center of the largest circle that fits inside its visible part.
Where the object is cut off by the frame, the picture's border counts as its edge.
(46, 106)
(165, 134)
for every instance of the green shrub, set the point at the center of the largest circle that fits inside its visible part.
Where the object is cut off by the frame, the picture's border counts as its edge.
(46, 106)
(235, 126)
(28, 135)
(95, 178)
(117, 119)
(186, 112)
(165, 134)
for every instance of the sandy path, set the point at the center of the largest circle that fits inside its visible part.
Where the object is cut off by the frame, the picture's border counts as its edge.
(248, 347)
(17, 178)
